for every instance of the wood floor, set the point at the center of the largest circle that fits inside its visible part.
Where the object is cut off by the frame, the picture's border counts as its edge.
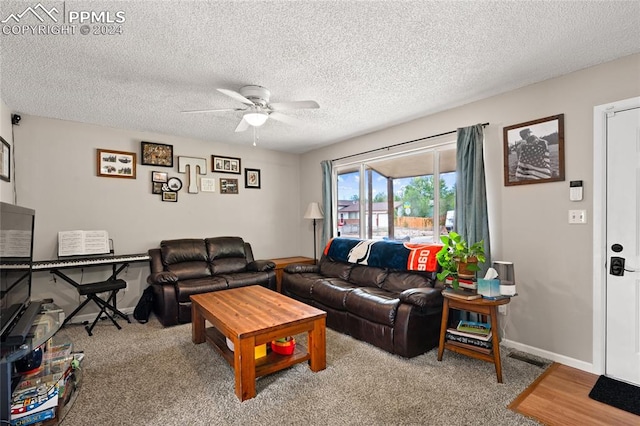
(560, 396)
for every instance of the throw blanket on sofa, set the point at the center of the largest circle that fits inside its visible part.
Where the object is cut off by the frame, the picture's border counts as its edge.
(384, 253)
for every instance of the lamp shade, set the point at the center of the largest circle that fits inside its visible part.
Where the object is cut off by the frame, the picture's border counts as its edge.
(256, 119)
(313, 211)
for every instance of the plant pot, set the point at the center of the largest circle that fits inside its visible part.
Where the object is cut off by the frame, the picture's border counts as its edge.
(463, 268)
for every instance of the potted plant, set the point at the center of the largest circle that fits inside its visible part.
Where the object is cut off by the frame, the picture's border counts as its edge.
(458, 258)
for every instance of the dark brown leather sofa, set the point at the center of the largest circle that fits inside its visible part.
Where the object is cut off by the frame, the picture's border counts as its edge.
(396, 310)
(180, 268)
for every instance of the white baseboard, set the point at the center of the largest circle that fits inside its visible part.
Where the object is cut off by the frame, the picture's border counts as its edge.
(571, 362)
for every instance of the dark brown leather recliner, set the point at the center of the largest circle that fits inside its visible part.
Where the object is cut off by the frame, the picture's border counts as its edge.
(398, 311)
(180, 268)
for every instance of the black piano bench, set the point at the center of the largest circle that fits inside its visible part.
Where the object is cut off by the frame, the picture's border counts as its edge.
(91, 291)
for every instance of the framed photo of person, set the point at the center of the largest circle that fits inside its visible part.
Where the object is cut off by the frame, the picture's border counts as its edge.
(534, 151)
(225, 164)
(252, 178)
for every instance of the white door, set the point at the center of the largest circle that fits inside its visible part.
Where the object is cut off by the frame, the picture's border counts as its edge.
(623, 246)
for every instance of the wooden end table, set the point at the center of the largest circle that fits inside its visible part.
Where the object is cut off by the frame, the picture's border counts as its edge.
(251, 316)
(283, 262)
(480, 306)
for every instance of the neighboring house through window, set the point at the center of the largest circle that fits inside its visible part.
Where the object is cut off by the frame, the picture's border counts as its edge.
(396, 196)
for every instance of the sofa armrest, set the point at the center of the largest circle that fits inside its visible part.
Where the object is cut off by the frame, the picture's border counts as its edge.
(163, 277)
(423, 297)
(260, 266)
(301, 268)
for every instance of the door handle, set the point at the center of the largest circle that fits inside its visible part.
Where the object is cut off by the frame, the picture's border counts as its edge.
(616, 266)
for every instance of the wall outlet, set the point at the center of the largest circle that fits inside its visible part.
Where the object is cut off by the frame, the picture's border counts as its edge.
(578, 216)
(502, 309)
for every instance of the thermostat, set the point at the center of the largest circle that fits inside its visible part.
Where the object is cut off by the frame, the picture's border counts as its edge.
(575, 190)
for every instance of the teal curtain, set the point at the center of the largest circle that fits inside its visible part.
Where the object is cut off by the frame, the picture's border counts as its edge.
(471, 217)
(327, 224)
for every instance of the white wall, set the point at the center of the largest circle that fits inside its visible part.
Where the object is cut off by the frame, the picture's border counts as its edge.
(552, 314)
(56, 176)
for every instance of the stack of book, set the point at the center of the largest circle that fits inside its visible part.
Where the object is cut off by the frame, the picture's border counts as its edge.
(472, 335)
(469, 284)
(461, 293)
(38, 396)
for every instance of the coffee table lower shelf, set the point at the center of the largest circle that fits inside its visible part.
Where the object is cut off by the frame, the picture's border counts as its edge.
(265, 365)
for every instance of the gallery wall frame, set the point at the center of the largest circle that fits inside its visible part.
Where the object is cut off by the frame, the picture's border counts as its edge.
(117, 164)
(220, 164)
(228, 186)
(534, 151)
(170, 196)
(156, 154)
(5, 160)
(252, 178)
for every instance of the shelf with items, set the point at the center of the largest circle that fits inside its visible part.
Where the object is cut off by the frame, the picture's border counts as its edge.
(47, 392)
(51, 386)
(473, 347)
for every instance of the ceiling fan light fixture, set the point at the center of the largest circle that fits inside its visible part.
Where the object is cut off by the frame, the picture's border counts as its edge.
(256, 119)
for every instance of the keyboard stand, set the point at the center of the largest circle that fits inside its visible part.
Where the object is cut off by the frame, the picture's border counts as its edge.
(90, 291)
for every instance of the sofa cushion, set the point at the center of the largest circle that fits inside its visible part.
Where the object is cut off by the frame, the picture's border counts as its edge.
(373, 304)
(300, 284)
(189, 270)
(331, 292)
(221, 247)
(399, 281)
(367, 276)
(241, 279)
(226, 254)
(185, 250)
(184, 289)
(333, 269)
(229, 265)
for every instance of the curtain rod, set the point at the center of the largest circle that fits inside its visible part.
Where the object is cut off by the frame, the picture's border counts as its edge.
(401, 143)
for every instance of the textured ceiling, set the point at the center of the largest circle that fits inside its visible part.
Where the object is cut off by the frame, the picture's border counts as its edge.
(368, 64)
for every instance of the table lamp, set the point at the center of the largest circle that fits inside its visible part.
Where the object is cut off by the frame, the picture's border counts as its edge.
(313, 212)
(507, 277)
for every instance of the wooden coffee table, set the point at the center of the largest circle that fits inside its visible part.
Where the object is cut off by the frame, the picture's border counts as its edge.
(251, 316)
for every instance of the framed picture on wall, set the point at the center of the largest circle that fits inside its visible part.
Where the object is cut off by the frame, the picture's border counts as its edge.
(228, 186)
(119, 164)
(225, 164)
(156, 154)
(159, 177)
(5, 160)
(170, 196)
(252, 178)
(534, 151)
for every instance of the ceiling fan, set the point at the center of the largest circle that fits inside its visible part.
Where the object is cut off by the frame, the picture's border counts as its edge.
(257, 107)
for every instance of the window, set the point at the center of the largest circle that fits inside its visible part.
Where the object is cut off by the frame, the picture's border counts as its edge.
(398, 196)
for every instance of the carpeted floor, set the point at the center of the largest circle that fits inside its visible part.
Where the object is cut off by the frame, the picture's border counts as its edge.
(145, 374)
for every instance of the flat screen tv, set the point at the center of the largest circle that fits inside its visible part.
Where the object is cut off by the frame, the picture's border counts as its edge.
(16, 255)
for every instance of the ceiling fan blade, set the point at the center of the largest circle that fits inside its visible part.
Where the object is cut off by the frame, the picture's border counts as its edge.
(278, 106)
(242, 126)
(235, 95)
(285, 119)
(194, 111)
